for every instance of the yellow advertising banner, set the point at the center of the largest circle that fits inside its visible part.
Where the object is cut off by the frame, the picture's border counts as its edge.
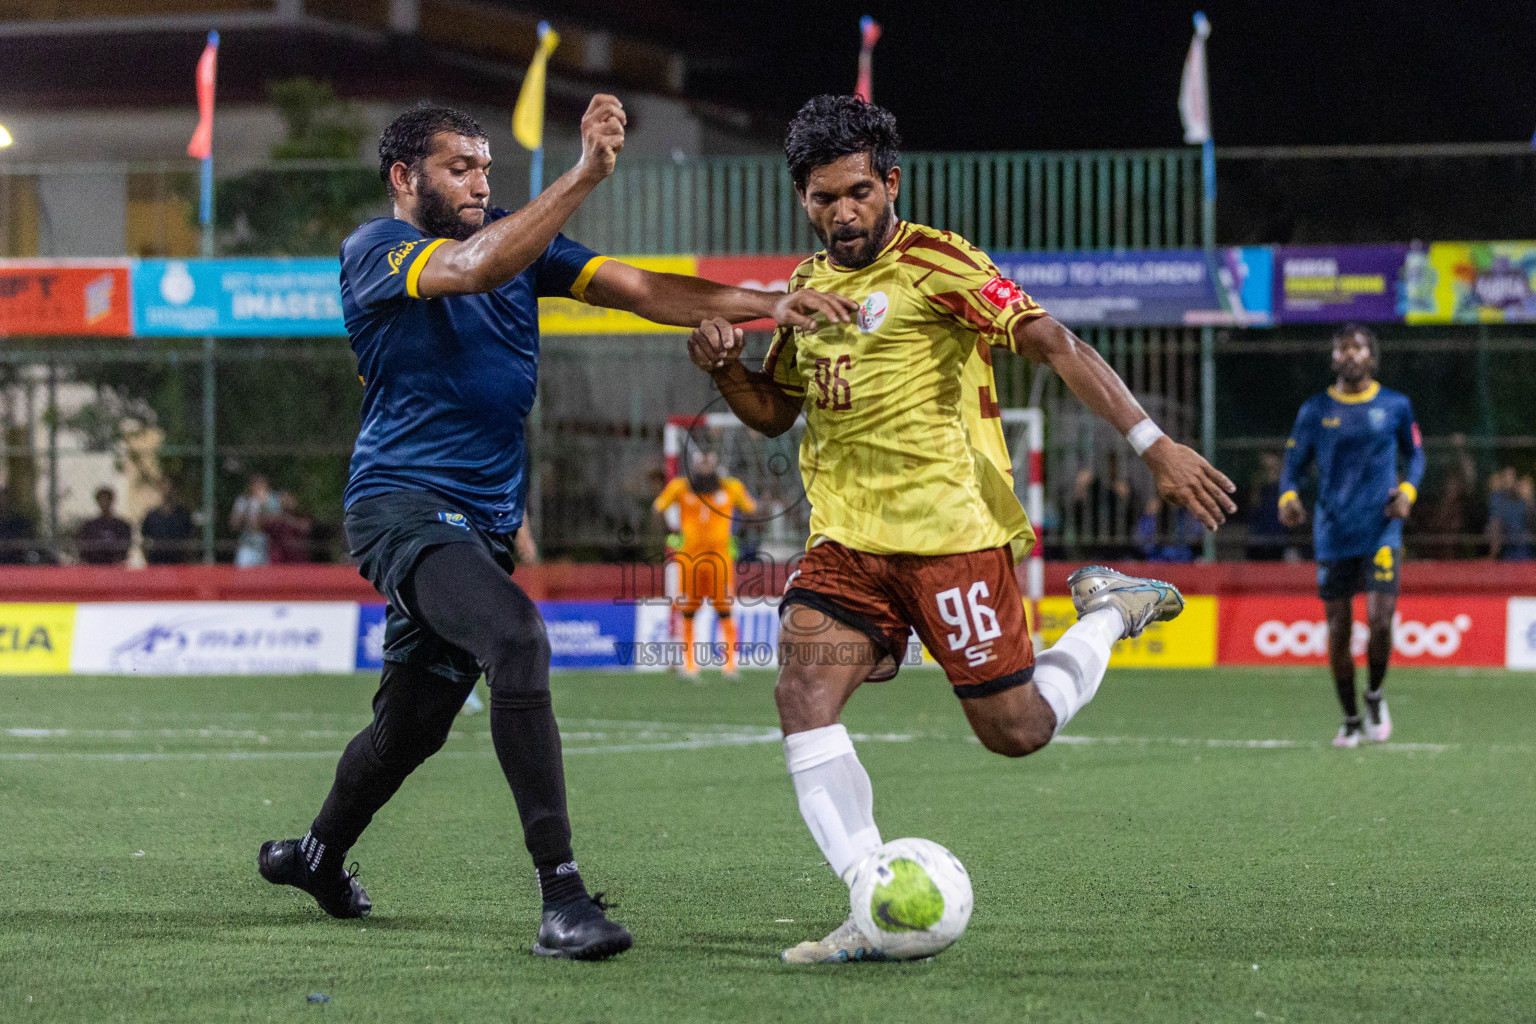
(567, 316)
(1189, 641)
(35, 638)
(1471, 283)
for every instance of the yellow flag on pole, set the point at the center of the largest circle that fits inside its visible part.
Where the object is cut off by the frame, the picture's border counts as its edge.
(528, 115)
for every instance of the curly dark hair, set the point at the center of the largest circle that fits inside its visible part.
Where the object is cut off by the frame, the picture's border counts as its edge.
(408, 139)
(1351, 329)
(829, 128)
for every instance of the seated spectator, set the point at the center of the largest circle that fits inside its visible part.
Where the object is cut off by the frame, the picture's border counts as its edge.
(1186, 533)
(249, 519)
(1267, 536)
(16, 534)
(287, 532)
(167, 529)
(104, 540)
(1510, 511)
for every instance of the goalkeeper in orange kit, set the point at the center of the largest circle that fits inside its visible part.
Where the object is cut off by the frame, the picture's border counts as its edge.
(705, 501)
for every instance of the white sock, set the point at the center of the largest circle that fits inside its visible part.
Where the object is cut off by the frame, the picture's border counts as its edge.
(1068, 674)
(836, 799)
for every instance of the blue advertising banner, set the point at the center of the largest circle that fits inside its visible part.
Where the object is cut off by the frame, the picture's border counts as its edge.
(237, 298)
(582, 634)
(1148, 288)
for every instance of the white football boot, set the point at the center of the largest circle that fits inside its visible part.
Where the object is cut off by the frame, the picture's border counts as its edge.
(1140, 602)
(845, 945)
(1349, 735)
(1378, 726)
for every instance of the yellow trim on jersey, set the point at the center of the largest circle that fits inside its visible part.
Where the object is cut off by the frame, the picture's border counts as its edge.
(413, 276)
(1289, 496)
(579, 286)
(1410, 490)
(1363, 397)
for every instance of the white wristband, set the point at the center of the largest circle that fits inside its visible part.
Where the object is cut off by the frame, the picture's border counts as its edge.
(1144, 435)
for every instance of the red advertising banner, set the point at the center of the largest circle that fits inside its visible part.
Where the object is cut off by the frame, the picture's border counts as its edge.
(1449, 630)
(65, 297)
(769, 273)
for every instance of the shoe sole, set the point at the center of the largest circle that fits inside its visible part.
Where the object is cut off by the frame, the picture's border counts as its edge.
(597, 951)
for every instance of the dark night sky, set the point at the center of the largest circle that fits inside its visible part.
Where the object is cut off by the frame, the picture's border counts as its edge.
(1052, 74)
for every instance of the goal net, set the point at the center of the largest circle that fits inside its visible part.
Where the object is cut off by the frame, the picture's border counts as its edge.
(769, 468)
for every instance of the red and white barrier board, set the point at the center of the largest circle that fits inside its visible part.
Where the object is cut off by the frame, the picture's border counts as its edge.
(1448, 630)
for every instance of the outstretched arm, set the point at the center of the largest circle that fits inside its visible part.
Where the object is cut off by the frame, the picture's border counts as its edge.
(493, 256)
(715, 347)
(1183, 476)
(688, 301)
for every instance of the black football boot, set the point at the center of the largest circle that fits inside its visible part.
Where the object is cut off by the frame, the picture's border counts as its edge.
(342, 895)
(580, 930)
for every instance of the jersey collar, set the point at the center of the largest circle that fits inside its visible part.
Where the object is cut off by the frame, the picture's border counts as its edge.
(896, 236)
(1357, 399)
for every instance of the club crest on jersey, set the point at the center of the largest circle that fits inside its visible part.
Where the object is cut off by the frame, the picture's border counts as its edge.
(872, 312)
(1378, 418)
(454, 519)
(1001, 292)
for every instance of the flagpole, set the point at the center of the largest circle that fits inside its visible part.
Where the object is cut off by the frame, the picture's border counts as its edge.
(536, 159)
(1208, 334)
(210, 347)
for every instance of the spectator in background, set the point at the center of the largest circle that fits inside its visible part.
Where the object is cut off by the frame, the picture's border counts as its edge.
(249, 519)
(1510, 511)
(106, 539)
(1447, 519)
(167, 529)
(287, 531)
(1267, 535)
(1103, 508)
(16, 534)
(1150, 541)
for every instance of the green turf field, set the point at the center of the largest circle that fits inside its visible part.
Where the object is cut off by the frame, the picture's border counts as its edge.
(1194, 851)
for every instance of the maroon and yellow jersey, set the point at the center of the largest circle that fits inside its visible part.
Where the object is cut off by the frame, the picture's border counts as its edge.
(904, 449)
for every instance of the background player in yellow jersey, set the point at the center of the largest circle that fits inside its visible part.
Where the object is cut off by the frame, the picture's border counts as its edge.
(706, 503)
(914, 521)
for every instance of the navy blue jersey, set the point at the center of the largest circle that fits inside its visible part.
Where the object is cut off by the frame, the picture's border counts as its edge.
(1355, 441)
(447, 382)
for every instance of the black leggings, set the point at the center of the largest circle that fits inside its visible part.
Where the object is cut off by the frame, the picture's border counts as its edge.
(461, 594)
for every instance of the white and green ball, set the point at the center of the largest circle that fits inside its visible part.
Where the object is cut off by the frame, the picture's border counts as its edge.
(912, 897)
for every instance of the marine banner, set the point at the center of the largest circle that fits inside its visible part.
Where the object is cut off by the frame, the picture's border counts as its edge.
(1331, 283)
(1147, 288)
(1472, 283)
(50, 297)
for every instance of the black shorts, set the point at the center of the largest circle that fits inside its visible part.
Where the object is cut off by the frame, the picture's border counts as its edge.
(1346, 577)
(388, 534)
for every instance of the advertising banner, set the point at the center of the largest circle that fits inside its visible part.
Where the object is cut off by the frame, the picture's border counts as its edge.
(655, 649)
(1331, 283)
(1451, 630)
(35, 638)
(567, 316)
(1189, 641)
(765, 273)
(237, 298)
(1520, 650)
(582, 634)
(1152, 287)
(65, 297)
(1472, 282)
(216, 638)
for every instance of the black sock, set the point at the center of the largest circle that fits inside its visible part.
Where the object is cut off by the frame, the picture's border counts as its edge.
(1345, 685)
(560, 883)
(323, 860)
(1378, 672)
(1352, 723)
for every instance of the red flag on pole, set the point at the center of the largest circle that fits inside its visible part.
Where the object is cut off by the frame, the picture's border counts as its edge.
(201, 145)
(869, 32)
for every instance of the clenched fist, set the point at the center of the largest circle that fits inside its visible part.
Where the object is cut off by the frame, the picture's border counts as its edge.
(602, 135)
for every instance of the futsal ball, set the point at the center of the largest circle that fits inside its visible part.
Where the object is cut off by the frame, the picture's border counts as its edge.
(912, 898)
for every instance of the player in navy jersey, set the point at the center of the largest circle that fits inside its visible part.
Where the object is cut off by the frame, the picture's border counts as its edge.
(441, 304)
(1357, 433)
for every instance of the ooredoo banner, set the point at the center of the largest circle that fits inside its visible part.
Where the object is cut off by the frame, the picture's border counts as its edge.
(215, 638)
(1448, 630)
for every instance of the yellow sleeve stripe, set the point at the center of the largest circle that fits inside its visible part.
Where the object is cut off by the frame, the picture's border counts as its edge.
(1288, 496)
(413, 276)
(579, 286)
(1410, 490)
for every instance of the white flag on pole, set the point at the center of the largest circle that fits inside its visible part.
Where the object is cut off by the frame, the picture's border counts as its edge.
(1194, 95)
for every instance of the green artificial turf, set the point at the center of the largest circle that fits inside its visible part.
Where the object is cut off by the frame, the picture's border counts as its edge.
(1171, 859)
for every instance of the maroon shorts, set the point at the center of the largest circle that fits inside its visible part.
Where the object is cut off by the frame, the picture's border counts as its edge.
(966, 609)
